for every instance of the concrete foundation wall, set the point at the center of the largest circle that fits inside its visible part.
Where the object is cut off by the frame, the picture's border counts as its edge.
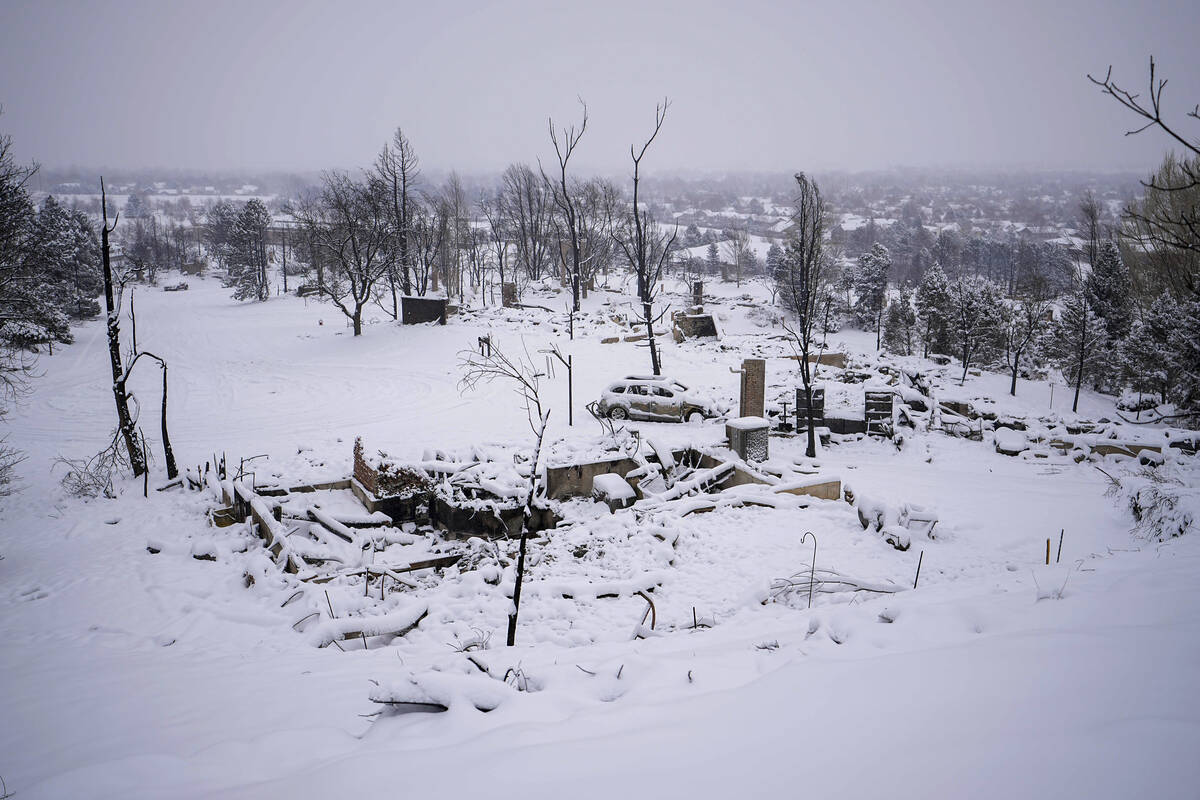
(575, 480)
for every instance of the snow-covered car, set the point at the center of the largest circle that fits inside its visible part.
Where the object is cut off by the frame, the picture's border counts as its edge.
(656, 399)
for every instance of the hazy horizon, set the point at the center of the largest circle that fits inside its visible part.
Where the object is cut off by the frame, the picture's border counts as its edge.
(299, 87)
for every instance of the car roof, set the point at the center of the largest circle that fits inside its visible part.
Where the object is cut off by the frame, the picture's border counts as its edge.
(653, 379)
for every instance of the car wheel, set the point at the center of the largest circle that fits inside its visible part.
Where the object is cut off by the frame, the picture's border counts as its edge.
(695, 416)
(616, 412)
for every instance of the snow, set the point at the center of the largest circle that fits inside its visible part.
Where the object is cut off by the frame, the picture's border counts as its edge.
(747, 424)
(1010, 442)
(613, 487)
(136, 674)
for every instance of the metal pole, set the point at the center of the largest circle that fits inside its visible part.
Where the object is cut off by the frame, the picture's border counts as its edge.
(812, 574)
(570, 390)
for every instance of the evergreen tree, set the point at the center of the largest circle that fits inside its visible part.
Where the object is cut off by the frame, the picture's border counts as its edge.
(1149, 354)
(137, 207)
(221, 218)
(774, 260)
(845, 288)
(56, 277)
(248, 253)
(976, 312)
(871, 282)
(1110, 291)
(712, 260)
(1079, 340)
(900, 322)
(1186, 356)
(933, 310)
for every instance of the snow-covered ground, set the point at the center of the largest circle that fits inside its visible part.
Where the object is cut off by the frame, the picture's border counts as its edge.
(131, 674)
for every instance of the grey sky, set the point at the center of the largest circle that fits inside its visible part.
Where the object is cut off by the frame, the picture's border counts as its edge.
(754, 85)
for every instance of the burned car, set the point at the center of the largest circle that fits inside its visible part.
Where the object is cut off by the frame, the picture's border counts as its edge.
(655, 399)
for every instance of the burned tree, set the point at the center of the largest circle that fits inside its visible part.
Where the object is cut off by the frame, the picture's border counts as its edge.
(564, 197)
(646, 246)
(398, 169)
(429, 228)
(485, 368)
(526, 215)
(802, 279)
(125, 423)
(497, 235)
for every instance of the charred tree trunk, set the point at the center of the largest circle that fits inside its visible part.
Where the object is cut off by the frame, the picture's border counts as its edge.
(124, 420)
(168, 451)
(526, 519)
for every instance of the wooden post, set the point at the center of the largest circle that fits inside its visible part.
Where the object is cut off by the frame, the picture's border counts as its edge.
(1047, 552)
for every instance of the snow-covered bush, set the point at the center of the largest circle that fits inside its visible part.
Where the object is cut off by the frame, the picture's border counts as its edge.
(1162, 505)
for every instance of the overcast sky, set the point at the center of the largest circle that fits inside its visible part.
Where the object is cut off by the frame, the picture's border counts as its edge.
(773, 86)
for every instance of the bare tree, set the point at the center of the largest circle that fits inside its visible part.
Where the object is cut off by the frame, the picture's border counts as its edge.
(1158, 230)
(527, 218)
(350, 229)
(1022, 329)
(429, 227)
(520, 370)
(1175, 226)
(398, 168)
(737, 248)
(125, 422)
(802, 280)
(646, 246)
(491, 207)
(458, 233)
(599, 208)
(563, 196)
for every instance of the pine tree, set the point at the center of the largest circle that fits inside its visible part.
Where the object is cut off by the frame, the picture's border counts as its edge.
(900, 323)
(56, 279)
(845, 288)
(1149, 355)
(137, 207)
(1186, 355)
(976, 313)
(933, 310)
(1110, 291)
(774, 260)
(248, 253)
(1079, 340)
(712, 260)
(871, 282)
(221, 218)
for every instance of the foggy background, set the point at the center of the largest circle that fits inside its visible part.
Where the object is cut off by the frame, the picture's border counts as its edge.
(756, 86)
